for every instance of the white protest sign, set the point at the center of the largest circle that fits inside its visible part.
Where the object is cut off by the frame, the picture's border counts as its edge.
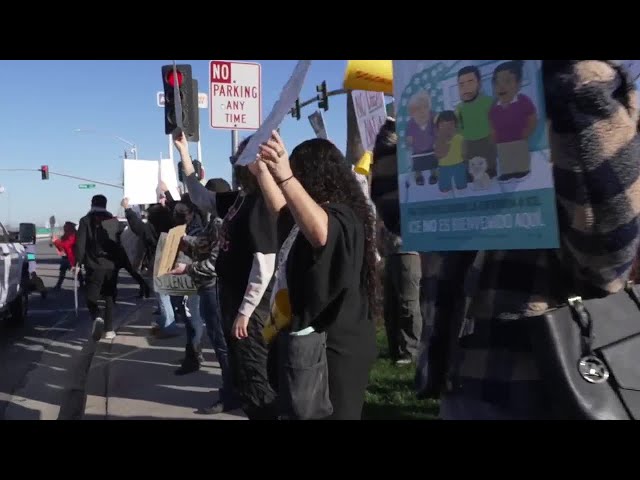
(371, 113)
(288, 96)
(141, 181)
(317, 123)
(142, 177)
(235, 95)
(169, 176)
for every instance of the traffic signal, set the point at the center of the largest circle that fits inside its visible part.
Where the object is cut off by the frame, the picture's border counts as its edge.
(295, 111)
(323, 98)
(44, 170)
(188, 100)
(195, 136)
(180, 173)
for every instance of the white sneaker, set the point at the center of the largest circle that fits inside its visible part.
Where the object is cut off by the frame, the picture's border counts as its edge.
(110, 335)
(98, 329)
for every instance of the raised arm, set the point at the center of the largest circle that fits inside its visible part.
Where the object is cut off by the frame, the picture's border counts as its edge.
(135, 222)
(595, 150)
(271, 192)
(200, 196)
(310, 217)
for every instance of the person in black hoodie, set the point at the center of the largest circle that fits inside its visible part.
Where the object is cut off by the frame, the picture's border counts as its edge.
(99, 250)
(245, 264)
(159, 220)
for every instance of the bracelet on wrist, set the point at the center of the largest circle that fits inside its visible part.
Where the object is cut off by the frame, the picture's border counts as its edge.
(282, 182)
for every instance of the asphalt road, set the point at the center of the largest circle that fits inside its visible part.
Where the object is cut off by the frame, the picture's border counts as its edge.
(43, 363)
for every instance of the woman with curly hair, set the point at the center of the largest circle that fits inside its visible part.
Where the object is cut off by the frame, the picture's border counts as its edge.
(325, 280)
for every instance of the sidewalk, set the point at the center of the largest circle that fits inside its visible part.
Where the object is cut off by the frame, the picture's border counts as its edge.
(131, 377)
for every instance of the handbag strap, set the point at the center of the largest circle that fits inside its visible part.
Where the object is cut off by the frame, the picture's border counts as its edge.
(585, 322)
(576, 305)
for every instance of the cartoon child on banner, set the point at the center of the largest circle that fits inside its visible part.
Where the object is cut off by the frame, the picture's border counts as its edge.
(513, 120)
(473, 119)
(420, 136)
(448, 150)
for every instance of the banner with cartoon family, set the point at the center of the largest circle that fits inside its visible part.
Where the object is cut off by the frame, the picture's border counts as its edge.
(473, 156)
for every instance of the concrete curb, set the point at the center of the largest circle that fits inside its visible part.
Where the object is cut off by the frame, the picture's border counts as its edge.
(97, 372)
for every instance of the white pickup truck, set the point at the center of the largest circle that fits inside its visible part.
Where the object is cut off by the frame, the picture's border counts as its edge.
(14, 277)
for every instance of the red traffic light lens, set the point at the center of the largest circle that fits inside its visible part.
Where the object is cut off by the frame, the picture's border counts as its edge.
(170, 78)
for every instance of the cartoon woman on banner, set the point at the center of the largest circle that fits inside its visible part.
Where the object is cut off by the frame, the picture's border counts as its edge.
(420, 136)
(513, 119)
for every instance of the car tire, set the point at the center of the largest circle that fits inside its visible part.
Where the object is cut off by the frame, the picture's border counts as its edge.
(18, 310)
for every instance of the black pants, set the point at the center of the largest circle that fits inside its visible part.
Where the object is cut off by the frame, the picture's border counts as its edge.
(101, 283)
(248, 357)
(402, 316)
(348, 380)
(65, 266)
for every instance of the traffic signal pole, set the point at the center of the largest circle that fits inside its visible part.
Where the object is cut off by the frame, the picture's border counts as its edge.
(61, 175)
(234, 149)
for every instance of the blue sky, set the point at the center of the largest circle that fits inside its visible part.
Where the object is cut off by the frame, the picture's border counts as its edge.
(44, 101)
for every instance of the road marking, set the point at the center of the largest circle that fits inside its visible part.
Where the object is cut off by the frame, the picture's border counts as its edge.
(62, 310)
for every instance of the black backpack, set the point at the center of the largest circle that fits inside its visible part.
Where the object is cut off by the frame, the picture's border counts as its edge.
(106, 242)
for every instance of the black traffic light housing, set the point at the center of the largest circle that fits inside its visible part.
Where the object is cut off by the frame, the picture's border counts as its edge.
(188, 98)
(323, 97)
(44, 170)
(180, 173)
(295, 111)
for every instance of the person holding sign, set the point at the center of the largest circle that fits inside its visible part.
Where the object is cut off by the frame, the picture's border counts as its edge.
(247, 249)
(483, 307)
(326, 280)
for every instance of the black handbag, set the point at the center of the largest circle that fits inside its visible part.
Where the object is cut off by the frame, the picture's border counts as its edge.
(303, 376)
(588, 353)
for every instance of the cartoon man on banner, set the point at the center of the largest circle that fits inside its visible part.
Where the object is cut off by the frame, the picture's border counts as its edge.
(473, 119)
(513, 120)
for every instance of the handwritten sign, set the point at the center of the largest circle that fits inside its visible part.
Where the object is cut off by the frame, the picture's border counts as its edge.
(371, 113)
(166, 253)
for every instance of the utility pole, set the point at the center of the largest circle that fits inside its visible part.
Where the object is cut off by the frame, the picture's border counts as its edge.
(354, 149)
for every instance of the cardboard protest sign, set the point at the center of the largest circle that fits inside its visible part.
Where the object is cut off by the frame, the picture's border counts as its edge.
(166, 254)
(473, 156)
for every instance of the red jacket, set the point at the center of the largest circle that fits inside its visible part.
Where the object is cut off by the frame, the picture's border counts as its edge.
(66, 244)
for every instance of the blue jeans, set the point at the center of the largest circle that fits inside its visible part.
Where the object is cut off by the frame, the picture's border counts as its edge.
(450, 174)
(193, 322)
(210, 312)
(167, 312)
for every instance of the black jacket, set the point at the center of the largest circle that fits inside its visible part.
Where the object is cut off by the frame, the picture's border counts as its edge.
(145, 231)
(98, 244)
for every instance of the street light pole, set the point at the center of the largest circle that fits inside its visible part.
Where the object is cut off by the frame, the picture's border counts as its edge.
(6, 193)
(133, 146)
